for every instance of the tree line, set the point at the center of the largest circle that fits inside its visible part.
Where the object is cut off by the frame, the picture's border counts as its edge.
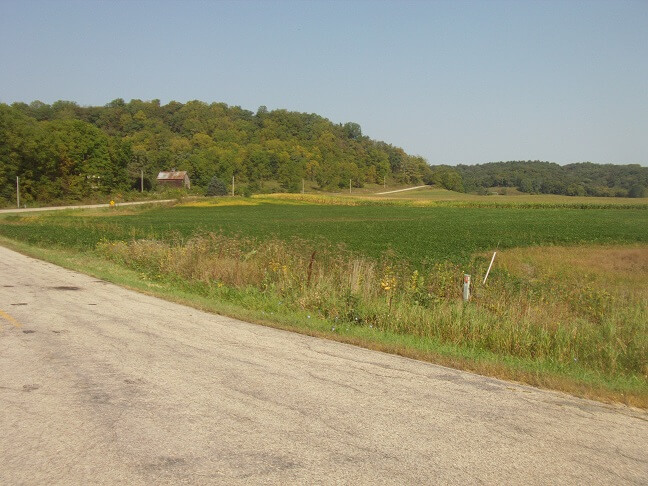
(64, 151)
(536, 177)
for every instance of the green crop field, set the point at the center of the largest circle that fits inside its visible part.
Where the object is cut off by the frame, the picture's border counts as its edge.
(566, 305)
(416, 234)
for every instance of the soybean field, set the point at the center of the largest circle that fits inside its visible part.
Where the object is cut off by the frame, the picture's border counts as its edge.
(415, 234)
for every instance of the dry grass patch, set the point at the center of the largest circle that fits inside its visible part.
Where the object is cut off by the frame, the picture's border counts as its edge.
(619, 270)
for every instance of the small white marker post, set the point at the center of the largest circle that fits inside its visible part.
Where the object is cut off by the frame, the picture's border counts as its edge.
(489, 267)
(18, 192)
(466, 288)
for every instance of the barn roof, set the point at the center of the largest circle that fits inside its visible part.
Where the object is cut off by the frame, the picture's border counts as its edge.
(173, 175)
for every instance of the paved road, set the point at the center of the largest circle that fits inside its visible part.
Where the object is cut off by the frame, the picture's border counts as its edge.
(87, 206)
(100, 385)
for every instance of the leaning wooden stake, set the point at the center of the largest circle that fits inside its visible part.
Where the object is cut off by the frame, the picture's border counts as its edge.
(489, 267)
(310, 269)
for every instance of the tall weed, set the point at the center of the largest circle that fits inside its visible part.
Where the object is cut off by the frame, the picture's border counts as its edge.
(537, 318)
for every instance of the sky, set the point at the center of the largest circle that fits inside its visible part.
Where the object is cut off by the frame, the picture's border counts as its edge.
(456, 82)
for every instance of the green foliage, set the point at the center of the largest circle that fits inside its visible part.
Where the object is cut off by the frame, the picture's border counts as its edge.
(352, 130)
(447, 178)
(65, 151)
(535, 177)
(216, 187)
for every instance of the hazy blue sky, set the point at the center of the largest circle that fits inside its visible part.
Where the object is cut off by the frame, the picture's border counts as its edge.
(455, 82)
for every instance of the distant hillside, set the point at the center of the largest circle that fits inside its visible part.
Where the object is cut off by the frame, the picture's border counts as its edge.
(66, 151)
(535, 177)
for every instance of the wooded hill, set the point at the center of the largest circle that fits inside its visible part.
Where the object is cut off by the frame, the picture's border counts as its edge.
(535, 177)
(65, 151)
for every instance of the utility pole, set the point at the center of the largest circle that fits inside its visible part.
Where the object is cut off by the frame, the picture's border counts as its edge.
(349, 186)
(232, 186)
(142, 180)
(302, 186)
(18, 191)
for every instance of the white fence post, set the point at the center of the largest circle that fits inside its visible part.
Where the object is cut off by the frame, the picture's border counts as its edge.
(466, 288)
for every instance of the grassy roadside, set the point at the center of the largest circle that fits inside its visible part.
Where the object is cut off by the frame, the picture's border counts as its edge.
(248, 304)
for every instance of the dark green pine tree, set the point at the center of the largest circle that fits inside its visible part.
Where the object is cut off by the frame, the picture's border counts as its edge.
(216, 187)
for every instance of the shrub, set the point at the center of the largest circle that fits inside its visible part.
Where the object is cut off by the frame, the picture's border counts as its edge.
(216, 187)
